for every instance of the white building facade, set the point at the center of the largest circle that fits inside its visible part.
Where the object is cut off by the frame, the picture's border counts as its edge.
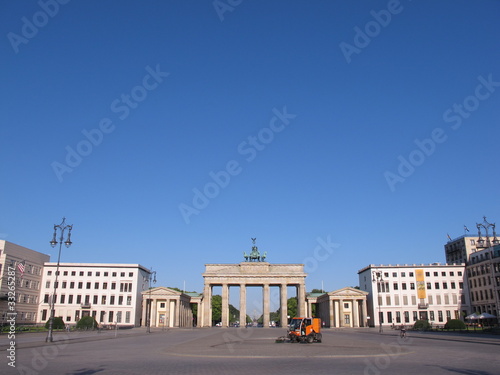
(402, 294)
(111, 293)
(20, 290)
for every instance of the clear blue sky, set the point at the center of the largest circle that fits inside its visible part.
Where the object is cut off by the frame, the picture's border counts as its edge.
(172, 91)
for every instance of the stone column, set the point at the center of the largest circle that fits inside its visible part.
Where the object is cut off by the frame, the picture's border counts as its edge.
(283, 306)
(243, 305)
(225, 305)
(301, 300)
(265, 296)
(364, 313)
(331, 312)
(144, 311)
(207, 305)
(154, 306)
(341, 313)
(355, 313)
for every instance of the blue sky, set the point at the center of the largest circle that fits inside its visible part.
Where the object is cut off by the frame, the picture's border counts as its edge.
(371, 125)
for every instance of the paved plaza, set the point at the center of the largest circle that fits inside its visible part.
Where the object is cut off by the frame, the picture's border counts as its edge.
(251, 351)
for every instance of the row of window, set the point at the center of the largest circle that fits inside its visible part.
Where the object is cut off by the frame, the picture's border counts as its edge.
(427, 274)
(90, 273)
(95, 299)
(124, 287)
(113, 316)
(479, 296)
(483, 269)
(383, 287)
(430, 300)
(405, 317)
(27, 298)
(30, 284)
(21, 316)
(28, 268)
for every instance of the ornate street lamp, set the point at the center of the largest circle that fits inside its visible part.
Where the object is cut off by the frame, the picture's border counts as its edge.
(152, 279)
(62, 228)
(377, 277)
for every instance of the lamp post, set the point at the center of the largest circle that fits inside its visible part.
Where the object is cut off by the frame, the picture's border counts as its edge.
(377, 277)
(485, 225)
(152, 278)
(62, 228)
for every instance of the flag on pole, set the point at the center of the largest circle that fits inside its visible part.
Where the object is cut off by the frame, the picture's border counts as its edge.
(21, 267)
(465, 228)
(449, 237)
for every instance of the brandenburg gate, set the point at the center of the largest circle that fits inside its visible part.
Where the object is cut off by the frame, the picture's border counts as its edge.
(254, 271)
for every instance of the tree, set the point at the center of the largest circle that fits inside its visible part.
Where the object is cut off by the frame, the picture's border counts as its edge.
(292, 306)
(58, 323)
(86, 322)
(234, 313)
(318, 291)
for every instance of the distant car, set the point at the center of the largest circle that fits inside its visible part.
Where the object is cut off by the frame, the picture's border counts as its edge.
(219, 324)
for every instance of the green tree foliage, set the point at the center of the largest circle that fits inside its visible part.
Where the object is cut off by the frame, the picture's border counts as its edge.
(422, 325)
(58, 323)
(292, 306)
(454, 324)
(234, 313)
(318, 291)
(86, 322)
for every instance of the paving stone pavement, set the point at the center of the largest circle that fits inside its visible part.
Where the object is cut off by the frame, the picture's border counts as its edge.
(252, 351)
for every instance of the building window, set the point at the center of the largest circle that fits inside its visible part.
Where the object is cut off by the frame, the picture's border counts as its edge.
(49, 273)
(453, 286)
(129, 300)
(62, 298)
(403, 274)
(452, 273)
(443, 273)
(80, 285)
(105, 274)
(110, 317)
(46, 298)
(427, 274)
(435, 274)
(130, 274)
(127, 317)
(398, 317)
(64, 284)
(68, 318)
(113, 286)
(79, 298)
(440, 316)
(81, 273)
(412, 286)
(119, 317)
(431, 315)
(95, 300)
(395, 286)
(436, 285)
(347, 319)
(96, 286)
(103, 300)
(98, 273)
(122, 274)
(120, 300)
(459, 273)
(72, 285)
(407, 317)
(445, 285)
(47, 284)
(73, 273)
(429, 286)
(381, 317)
(388, 300)
(162, 305)
(113, 274)
(104, 285)
(65, 273)
(411, 274)
(70, 299)
(89, 273)
(403, 286)
(89, 285)
(415, 316)
(112, 300)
